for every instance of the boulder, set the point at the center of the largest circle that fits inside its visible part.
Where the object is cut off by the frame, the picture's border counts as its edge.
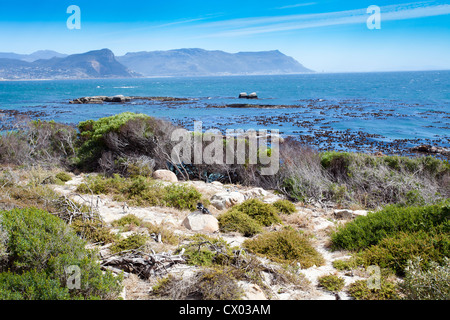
(197, 221)
(252, 291)
(343, 214)
(165, 175)
(255, 193)
(346, 214)
(225, 200)
(243, 95)
(430, 149)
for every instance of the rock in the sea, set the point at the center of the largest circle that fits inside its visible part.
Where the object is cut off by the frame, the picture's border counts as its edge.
(244, 95)
(197, 221)
(252, 95)
(225, 200)
(100, 99)
(425, 148)
(165, 175)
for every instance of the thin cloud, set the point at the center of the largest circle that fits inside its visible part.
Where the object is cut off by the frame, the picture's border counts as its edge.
(298, 5)
(260, 25)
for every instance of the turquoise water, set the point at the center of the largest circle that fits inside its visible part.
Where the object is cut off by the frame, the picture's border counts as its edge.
(384, 106)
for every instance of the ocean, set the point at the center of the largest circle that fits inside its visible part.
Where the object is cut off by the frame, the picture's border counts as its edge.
(386, 111)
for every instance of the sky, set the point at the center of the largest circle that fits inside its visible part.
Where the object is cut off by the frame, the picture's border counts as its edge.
(323, 35)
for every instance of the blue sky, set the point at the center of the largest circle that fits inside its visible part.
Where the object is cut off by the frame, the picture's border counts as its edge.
(324, 35)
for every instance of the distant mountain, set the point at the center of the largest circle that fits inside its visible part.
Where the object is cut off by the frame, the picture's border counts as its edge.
(41, 54)
(92, 64)
(199, 62)
(46, 64)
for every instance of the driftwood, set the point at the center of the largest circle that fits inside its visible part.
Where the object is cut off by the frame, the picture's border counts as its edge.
(143, 264)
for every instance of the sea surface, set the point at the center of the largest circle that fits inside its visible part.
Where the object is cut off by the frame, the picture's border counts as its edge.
(346, 111)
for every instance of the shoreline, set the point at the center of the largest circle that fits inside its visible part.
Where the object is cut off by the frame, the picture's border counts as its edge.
(319, 140)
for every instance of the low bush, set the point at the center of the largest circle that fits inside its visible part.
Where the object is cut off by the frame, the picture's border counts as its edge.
(218, 284)
(394, 252)
(127, 221)
(285, 206)
(207, 251)
(134, 241)
(332, 282)
(181, 197)
(361, 291)
(143, 191)
(265, 214)
(432, 283)
(130, 222)
(42, 142)
(44, 245)
(369, 230)
(238, 221)
(63, 176)
(285, 246)
(31, 285)
(93, 231)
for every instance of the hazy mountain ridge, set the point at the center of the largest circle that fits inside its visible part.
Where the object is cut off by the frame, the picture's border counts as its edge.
(46, 64)
(92, 64)
(199, 62)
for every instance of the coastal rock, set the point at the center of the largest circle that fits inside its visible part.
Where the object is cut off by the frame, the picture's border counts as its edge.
(100, 99)
(165, 175)
(252, 291)
(255, 193)
(225, 200)
(252, 95)
(430, 149)
(244, 95)
(343, 214)
(346, 214)
(197, 221)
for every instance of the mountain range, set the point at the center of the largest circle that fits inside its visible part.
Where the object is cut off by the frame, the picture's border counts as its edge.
(47, 64)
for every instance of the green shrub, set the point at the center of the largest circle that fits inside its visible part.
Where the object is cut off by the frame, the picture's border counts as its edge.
(287, 246)
(430, 284)
(361, 291)
(332, 282)
(181, 197)
(395, 251)
(264, 213)
(129, 219)
(93, 134)
(134, 241)
(63, 176)
(42, 242)
(234, 220)
(218, 284)
(93, 231)
(369, 230)
(336, 162)
(343, 265)
(142, 191)
(285, 206)
(206, 251)
(31, 285)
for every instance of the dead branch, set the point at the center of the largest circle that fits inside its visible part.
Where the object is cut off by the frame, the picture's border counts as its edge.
(142, 264)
